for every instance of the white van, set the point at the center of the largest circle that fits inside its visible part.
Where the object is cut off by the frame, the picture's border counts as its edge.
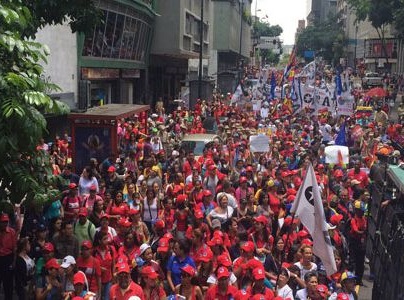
(197, 142)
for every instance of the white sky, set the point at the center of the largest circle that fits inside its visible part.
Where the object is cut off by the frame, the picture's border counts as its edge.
(284, 13)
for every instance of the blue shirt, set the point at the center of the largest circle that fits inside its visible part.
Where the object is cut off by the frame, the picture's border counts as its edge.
(174, 265)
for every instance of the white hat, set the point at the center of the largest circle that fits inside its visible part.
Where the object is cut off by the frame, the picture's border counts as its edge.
(330, 227)
(175, 153)
(154, 115)
(143, 248)
(68, 261)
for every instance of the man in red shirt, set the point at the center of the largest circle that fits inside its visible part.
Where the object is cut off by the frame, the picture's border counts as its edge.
(258, 286)
(90, 266)
(125, 288)
(190, 163)
(357, 241)
(359, 175)
(8, 243)
(222, 290)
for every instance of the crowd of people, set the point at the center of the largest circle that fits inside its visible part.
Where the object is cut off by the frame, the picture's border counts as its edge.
(156, 222)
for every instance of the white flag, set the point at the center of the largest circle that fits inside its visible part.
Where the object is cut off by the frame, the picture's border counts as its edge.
(237, 95)
(309, 208)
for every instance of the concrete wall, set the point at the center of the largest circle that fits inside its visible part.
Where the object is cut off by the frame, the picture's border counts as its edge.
(168, 27)
(227, 28)
(62, 61)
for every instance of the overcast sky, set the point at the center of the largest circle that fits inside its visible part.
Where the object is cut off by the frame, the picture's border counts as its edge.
(284, 13)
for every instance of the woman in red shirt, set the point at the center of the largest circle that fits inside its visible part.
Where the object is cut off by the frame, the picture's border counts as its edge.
(130, 249)
(181, 216)
(261, 237)
(117, 209)
(106, 254)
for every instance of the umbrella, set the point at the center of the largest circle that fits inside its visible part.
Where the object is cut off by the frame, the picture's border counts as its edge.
(376, 92)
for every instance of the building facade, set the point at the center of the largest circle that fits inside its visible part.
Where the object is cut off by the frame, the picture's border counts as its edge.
(176, 45)
(231, 41)
(364, 49)
(110, 65)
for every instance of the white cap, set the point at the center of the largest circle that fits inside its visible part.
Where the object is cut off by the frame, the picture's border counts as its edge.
(175, 153)
(68, 261)
(330, 227)
(143, 248)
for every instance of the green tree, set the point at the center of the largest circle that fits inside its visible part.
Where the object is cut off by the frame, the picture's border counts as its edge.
(265, 29)
(24, 171)
(326, 39)
(380, 14)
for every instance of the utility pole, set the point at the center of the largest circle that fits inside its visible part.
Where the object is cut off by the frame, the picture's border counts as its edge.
(200, 54)
(240, 63)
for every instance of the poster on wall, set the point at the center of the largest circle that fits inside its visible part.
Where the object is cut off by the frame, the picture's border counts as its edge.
(91, 142)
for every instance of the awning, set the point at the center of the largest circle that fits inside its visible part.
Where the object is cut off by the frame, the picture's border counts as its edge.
(397, 175)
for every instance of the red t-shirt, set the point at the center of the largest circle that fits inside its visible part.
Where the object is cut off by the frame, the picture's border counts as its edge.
(92, 268)
(213, 293)
(8, 242)
(133, 290)
(127, 255)
(106, 259)
(266, 292)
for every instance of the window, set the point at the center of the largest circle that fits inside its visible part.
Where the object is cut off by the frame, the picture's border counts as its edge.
(120, 36)
(188, 24)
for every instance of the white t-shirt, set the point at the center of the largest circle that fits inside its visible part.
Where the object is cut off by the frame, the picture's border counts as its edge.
(304, 271)
(285, 292)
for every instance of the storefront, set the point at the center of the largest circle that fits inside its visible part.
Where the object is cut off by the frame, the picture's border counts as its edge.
(113, 60)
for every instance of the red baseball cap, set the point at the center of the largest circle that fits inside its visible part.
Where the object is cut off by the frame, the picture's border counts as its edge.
(124, 222)
(87, 244)
(336, 219)
(207, 193)
(4, 218)
(93, 188)
(83, 212)
(133, 212)
(52, 263)
(322, 289)
(243, 179)
(342, 296)
(302, 234)
(181, 198)
(249, 169)
(48, 247)
(205, 256)
(215, 241)
(79, 278)
(248, 247)
(104, 216)
(164, 245)
(212, 167)
(253, 263)
(149, 272)
(338, 173)
(307, 242)
(258, 273)
(122, 268)
(189, 270)
(224, 260)
(111, 169)
(222, 272)
(72, 186)
(261, 219)
(199, 214)
(168, 236)
(159, 224)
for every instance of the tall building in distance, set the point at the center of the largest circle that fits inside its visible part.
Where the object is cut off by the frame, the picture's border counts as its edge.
(319, 10)
(301, 25)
